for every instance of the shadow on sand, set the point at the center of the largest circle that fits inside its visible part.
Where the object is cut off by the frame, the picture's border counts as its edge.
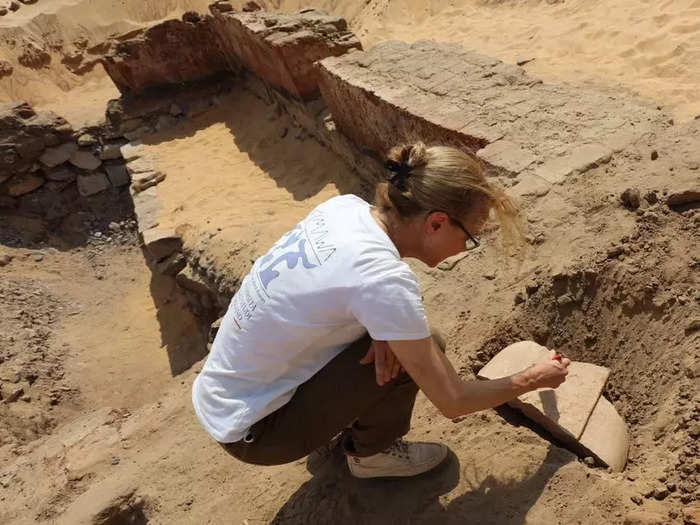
(333, 496)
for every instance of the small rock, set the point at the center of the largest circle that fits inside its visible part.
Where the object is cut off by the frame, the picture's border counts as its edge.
(615, 251)
(693, 326)
(13, 5)
(519, 298)
(660, 493)
(85, 160)
(651, 197)
(37, 257)
(12, 393)
(113, 226)
(86, 140)
(589, 461)
(521, 61)
(283, 132)
(115, 460)
(251, 6)
(637, 499)
(165, 122)
(654, 155)
(630, 198)
(5, 260)
(490, 275)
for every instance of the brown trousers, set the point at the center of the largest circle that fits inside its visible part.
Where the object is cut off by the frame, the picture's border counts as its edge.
(343, 395)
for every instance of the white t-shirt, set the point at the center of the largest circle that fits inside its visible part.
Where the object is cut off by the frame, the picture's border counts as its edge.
(323, 285)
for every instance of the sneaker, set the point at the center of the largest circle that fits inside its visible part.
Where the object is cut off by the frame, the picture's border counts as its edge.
(401, 459)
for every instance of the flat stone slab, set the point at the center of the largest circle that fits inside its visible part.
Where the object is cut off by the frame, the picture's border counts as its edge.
(562, 411)
(443, 93)
(576, 412)
(161, 242)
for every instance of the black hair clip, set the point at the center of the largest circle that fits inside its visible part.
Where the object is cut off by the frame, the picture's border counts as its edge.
(401, 172)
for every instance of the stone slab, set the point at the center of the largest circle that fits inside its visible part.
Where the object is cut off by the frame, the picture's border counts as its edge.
(23, 183)
(606, 435)
(161, 242)
(147, 208)
(54, 156)
(92, 184)
(563, 411)
(443, 93)
(85, 160)
(117, 174)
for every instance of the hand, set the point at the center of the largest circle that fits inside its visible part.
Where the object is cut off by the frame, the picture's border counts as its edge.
(549, 373)
(386, 366)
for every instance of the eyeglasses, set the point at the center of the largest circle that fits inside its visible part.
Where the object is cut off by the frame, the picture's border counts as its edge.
(472, 241)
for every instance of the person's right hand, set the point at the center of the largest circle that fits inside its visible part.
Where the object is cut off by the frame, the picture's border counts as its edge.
(551, 372)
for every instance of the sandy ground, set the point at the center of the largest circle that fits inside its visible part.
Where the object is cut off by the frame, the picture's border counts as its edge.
(117, 350)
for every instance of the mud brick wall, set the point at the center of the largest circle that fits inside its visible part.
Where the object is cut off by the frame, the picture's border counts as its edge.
(442, 93)
(281, 48)
(171, 52)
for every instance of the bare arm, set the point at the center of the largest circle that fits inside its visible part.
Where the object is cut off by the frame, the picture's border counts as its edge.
(437, 378)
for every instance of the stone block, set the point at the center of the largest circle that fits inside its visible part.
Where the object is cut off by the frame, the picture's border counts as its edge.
(92, 184)
(161, 242)
(441, 93)
(85, 160)
(606, 436)
(132, 150)
(147, 208)
(117, 174)
(23, 183)
(111, 151)
(563, 411)
(681, 197)
(60, 174)
(54, 156)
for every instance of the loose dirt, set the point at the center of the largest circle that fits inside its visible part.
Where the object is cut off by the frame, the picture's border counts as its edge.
(99, 355)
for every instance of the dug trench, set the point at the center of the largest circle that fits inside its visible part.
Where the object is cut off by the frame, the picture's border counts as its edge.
(128, 344)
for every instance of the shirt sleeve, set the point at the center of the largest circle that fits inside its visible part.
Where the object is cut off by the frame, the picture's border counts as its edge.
(391, 308)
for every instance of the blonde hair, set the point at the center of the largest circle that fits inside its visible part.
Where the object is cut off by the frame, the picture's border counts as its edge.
(450, 180)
